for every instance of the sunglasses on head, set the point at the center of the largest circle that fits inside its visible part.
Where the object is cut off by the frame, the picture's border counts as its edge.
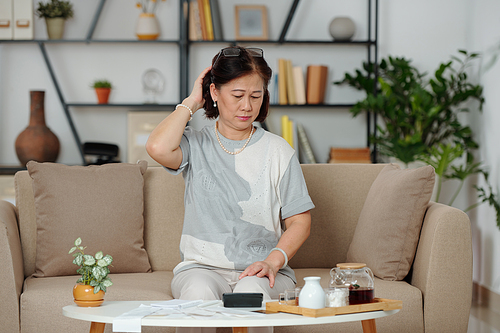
(235, 52)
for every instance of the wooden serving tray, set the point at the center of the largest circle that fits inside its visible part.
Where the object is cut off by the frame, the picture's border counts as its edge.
(377, 304)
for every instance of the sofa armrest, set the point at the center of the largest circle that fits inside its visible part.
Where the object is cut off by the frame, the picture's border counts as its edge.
(442, 269)
(12, 271)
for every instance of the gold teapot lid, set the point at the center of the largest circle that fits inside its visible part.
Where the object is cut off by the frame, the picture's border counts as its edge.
(351, 265)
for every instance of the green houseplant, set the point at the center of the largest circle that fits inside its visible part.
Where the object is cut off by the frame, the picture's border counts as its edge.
(102, 89)
(94, 280)
(419, 116)
(55, 12)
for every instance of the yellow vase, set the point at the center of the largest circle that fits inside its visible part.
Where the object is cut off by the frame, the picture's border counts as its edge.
(147, 27)
(84, 295)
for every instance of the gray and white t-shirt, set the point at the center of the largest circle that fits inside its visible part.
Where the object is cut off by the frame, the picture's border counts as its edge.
(235, 204)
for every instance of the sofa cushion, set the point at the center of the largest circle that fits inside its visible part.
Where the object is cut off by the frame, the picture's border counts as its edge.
(101, 204)
(38, 314)
(388, 228)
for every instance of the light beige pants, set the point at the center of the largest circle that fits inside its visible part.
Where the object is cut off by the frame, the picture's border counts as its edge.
(207, 284)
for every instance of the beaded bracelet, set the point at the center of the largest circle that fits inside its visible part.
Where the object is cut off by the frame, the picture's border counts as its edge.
(188, 108)
(284, 254)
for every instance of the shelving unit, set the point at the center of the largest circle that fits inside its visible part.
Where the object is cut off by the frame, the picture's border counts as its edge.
(184, 45)
(371, 45)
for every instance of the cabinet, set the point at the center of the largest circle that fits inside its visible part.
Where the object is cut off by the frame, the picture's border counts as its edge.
(184, 45)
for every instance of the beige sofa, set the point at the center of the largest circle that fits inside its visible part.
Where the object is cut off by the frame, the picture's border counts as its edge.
(436, 295)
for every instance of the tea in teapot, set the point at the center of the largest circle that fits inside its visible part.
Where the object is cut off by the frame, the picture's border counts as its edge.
(357, 278)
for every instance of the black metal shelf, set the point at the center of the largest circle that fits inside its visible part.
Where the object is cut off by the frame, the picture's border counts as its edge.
(121, 105)
(10, 169)
(89, 41)
(277, 42)
(184, 45)
(340, 105)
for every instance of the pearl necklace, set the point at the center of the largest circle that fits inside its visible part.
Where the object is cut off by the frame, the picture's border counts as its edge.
(233, 152)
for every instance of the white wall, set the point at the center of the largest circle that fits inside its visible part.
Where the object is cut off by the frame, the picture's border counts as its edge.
(484, 36)
(426, 31)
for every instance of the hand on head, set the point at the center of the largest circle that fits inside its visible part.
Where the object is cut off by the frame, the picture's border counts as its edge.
(196, 96)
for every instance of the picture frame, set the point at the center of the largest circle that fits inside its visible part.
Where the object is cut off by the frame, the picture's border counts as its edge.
(251, 22)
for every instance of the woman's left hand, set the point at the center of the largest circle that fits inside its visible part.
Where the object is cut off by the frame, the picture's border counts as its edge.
(261, 269)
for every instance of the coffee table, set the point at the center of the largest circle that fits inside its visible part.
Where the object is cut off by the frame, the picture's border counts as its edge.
(104, 314)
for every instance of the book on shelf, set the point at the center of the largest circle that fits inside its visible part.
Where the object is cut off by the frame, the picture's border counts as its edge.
(290, 89)
(283, 96)
(208, 19)
(201, 15)
(216, 20)
(286, 129)
(299, 85)
(316, 80)
(350, 155)
(306, 153)
(194, 21)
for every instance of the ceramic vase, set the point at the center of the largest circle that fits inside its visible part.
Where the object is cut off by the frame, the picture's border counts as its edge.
(55, 27)
(147, 27)
(84, 295)
(37, 142)
(312, 295)
(102, 95)
(342, 28)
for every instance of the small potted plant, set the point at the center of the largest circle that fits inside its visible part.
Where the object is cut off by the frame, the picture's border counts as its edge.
(91, 286)
(102, 90)
(55, 12)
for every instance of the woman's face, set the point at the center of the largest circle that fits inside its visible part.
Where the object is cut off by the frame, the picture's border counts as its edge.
(239, 102)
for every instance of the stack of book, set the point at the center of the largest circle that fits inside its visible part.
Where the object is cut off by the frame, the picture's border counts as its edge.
(350, 155)
(294, 90)
(204, 20)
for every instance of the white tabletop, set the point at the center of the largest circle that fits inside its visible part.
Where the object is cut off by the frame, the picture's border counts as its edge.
(110, 310)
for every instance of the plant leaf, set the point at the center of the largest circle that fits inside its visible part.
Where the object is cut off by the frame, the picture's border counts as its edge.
(78, 241)
(88, 260)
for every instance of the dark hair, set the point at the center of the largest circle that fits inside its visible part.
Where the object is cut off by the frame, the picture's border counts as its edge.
(230, 68)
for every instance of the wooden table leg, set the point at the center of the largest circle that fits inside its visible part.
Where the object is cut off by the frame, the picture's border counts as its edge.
(369, 326)
(240, 330)
(97, 327)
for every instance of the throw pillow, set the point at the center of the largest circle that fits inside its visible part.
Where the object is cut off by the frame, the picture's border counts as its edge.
(388, 228)
(101, 204)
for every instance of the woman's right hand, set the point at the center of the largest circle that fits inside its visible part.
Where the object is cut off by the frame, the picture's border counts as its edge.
(195, 99)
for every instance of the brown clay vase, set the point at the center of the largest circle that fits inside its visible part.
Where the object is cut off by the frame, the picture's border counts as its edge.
(84, 295)
(37, 142)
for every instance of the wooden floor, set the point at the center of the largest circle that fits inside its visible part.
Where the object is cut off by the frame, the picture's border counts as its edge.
(483, 320)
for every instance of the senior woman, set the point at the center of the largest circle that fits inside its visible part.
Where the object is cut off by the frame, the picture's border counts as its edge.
(246, 201)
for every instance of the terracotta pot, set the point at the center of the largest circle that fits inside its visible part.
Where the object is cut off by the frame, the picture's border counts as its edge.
(84, 295)
(37, 142)
(147, 27)
(55, 27)
(102, 95)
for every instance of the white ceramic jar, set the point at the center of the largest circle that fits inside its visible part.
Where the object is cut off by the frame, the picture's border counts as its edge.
(147, 27)
(342, 28)
(312, 295)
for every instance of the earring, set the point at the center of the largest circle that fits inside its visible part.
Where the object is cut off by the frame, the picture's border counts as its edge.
(215, 104)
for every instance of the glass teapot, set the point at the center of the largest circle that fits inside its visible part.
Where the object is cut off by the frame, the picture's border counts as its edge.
(358, 278)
